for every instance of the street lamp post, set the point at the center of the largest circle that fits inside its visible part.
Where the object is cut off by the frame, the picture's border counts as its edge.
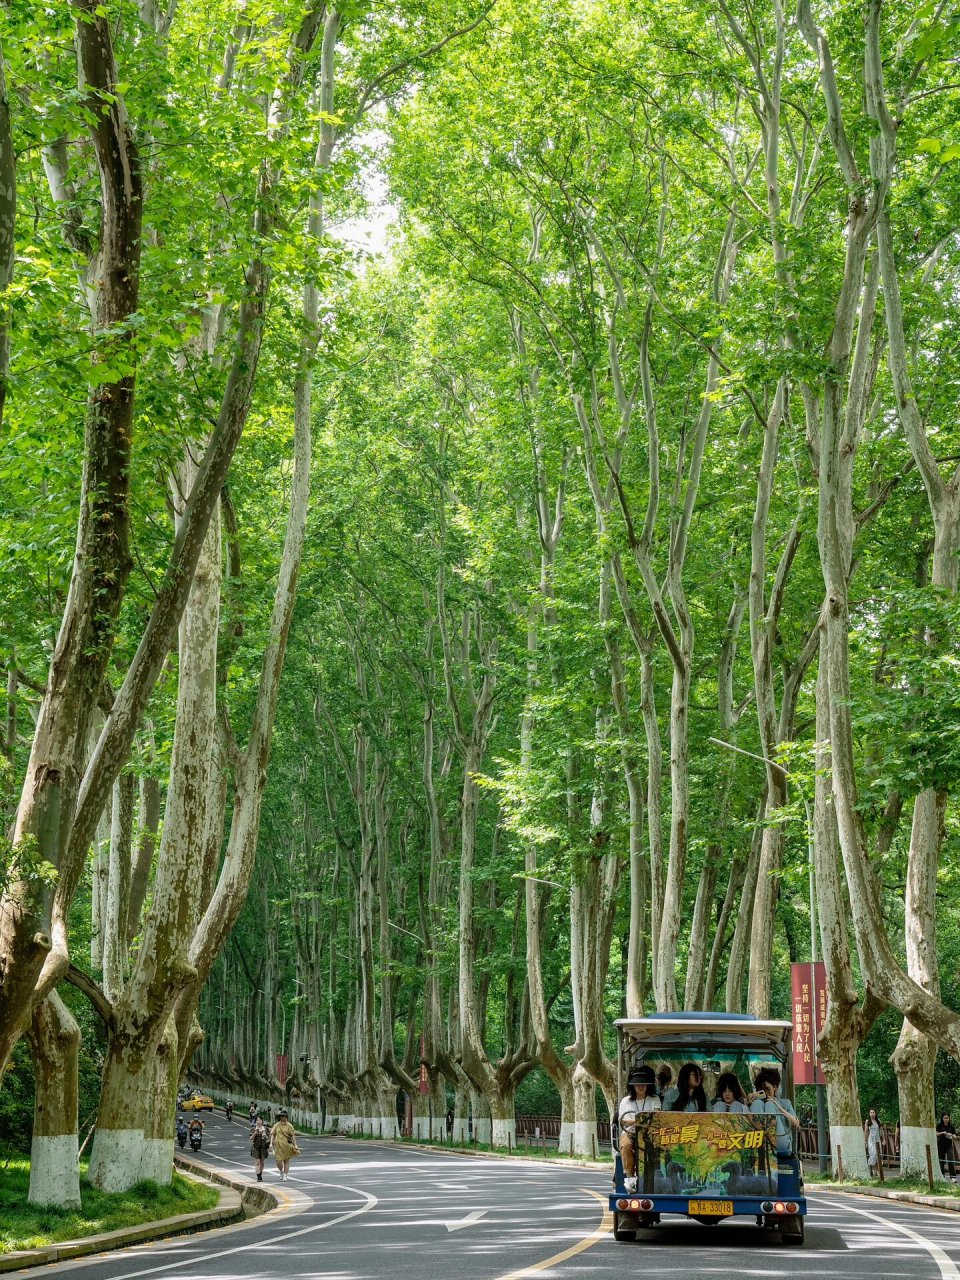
(814, 948)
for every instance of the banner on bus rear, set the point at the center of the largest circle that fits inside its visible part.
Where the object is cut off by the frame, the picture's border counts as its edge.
(688, 1153)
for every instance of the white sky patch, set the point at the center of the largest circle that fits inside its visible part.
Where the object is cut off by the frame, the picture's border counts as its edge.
(369, 234)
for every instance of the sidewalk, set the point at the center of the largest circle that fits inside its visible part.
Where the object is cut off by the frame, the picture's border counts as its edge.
(239, 1201)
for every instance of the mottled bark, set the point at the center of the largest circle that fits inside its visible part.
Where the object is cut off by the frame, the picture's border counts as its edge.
(102, 560)
(55, 1046)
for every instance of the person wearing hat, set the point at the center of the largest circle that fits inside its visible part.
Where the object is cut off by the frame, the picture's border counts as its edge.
(641, 1097)
(283, 1143)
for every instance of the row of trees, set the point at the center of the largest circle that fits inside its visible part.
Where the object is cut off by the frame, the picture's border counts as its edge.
(168, 175)
(632, 533)
(645, 451)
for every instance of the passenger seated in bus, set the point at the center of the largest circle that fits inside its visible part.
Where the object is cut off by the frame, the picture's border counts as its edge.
(664, 1076)
(641, 1097)
(730, 1096)
(689, 1094)
(766, 1101)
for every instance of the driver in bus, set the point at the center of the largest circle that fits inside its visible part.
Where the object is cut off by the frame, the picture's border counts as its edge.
(766, 1101)
(641, 1096)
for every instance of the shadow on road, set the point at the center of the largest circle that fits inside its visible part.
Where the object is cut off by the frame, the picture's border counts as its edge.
(736, 1236)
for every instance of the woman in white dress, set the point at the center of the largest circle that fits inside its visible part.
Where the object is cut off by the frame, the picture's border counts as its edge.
(871, 1136)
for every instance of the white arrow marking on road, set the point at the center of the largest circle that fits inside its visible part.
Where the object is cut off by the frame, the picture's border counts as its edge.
(474, 1216)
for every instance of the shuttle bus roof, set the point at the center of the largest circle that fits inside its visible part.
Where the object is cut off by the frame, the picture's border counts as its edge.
(708, 1031)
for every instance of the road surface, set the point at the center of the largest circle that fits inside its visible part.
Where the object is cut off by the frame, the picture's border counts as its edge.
(370, 1211)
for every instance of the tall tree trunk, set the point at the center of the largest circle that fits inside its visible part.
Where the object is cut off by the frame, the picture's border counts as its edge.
(846, 1024)
(102, 560)
(55, 1045)
(143, 1004)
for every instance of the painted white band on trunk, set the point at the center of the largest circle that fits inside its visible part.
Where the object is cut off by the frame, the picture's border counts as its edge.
(914, 1141)
(847, 1139)
(505, 1132)
(566, 1132)
(461, 1129)
(116, 1159)
(54, 1176)
(481, 1128)
(156, 1163)
(584, 1138)
(384, 1126)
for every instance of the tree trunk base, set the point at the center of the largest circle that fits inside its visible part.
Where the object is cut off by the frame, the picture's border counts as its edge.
(585, 1140)
(53, 1171)
(156, 1161)
(505, 1132)
(384, 1126)
(116, 1159)
(847, 1139)
(914, 1140)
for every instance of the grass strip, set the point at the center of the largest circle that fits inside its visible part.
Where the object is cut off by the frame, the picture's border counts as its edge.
(27, 1226)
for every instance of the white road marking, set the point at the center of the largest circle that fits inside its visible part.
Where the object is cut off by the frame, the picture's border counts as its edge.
(281, 1238)
(948, 1268)
(457, 1225)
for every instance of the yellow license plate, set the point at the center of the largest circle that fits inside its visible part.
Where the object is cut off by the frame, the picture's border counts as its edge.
(718, 1208)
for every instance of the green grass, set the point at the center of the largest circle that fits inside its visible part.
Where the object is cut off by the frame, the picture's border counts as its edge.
(26, 1226)
(919, 1186)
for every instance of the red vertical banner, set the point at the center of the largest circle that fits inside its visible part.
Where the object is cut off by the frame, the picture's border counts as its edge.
(281, 1069)
(809, 999)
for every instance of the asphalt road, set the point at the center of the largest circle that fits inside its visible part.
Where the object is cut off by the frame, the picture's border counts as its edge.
(364, 1210)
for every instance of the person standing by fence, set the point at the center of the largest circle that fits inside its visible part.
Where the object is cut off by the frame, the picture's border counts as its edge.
(872, 1137)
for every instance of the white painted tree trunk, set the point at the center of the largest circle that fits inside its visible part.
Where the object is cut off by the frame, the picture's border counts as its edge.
(55, 1045)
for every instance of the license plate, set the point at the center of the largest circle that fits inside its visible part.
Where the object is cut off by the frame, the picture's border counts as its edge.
(719, 1208)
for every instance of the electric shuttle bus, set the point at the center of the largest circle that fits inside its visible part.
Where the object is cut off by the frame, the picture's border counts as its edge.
(737, 1157)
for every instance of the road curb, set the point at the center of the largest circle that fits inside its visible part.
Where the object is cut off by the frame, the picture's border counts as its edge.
(239, 1203)
(950, 1203)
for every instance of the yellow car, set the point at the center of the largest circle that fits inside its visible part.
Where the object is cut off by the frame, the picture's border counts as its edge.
(198, 1102)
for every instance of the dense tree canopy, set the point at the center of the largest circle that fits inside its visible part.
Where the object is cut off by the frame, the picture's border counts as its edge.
(604, 529)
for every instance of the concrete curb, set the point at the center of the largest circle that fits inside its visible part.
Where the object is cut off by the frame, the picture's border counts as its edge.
(950, 1203)
(238, 1202)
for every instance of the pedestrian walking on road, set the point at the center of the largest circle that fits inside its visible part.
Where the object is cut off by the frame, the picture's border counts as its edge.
(871, 1136)
(259, 1145)
(283, 1139)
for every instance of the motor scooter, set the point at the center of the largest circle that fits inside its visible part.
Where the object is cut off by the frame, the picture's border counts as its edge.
(196, 1139)
(181, 1134)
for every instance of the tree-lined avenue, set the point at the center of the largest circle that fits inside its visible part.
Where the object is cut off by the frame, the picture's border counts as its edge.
(375, 1211)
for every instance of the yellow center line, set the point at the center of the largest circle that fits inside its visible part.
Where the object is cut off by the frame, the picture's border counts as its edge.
(587, 1242)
